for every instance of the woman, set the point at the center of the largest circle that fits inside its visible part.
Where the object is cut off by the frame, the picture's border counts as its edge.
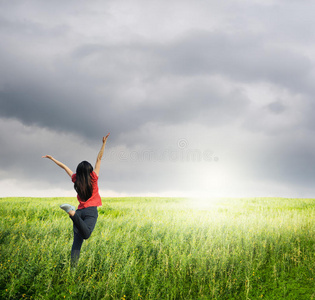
(86, 185)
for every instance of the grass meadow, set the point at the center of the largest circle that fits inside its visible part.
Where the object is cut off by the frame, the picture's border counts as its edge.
(160, 248)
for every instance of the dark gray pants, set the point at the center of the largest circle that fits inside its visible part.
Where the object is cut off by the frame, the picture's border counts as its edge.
(84, 222)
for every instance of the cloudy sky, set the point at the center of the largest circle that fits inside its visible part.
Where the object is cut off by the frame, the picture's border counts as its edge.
(202, 98)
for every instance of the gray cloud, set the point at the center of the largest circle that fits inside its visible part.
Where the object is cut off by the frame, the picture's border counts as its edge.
(276, 107)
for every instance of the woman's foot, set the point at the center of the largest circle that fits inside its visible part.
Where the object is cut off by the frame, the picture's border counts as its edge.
(70, 209)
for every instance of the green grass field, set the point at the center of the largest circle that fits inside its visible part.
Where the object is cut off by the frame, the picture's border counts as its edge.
(160, 248)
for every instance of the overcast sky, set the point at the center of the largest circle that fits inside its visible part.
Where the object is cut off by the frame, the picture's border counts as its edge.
(202, 98)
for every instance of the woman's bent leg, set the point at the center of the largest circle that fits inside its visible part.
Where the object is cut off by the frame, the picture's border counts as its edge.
(85, 220)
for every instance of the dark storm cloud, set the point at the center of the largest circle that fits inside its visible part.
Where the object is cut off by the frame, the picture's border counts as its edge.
(47, 106)
(91, 91)
(91, 88)
(243, 58)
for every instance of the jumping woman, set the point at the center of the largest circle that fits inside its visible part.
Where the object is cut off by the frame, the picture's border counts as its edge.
(86, 185)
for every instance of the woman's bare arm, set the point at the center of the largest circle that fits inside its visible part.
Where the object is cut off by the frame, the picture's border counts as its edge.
(100, 155)
(60, 164)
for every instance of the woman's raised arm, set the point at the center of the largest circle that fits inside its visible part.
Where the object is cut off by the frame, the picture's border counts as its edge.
(60, 164)
(100, 155)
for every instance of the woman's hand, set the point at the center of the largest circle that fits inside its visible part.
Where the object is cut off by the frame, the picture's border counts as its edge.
(105, 138)
(47, 156)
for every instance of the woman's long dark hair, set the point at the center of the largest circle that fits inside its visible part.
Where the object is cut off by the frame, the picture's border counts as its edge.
(83, 185)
